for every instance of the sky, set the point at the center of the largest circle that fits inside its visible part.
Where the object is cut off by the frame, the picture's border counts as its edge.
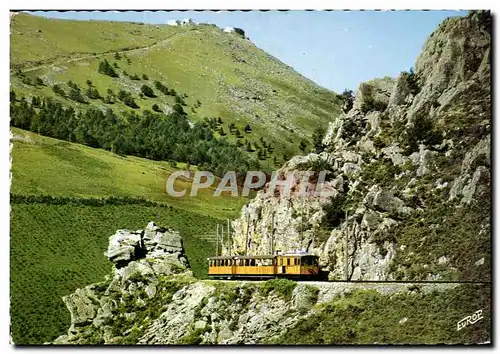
(336, 49)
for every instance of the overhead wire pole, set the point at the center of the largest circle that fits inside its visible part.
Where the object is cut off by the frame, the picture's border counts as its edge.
(272, 234)
(217, 242)
(246, 238)
(229, 238)
(222, 238)
(346, 253)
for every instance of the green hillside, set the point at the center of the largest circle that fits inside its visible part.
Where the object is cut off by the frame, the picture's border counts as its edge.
(216, 74)
(47, 237)
(46, 166)
(55, 249)
(239, 102)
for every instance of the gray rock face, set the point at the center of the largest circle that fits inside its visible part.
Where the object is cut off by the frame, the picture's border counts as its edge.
(422, 159)
(364, 148)
(122, 246)
(82, 306)
(126, 246)
(481, 174)
(304, 297)
(378, 89)
(139, 257)
(400, 91)
(480, 154)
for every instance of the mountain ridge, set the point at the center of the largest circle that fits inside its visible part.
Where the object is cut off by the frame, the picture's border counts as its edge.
(231, 77)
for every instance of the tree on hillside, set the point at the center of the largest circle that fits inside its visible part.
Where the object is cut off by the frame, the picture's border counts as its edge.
(106, 69)
(348, 100)
(156, 108)
(303, 145)
(126, 98)
(58, 90)
(317, 139)
(147, 91)
(162, 88)
(180, 101)
(72, 85)
(76, 95)
(178, 108)
(248, 129)
(92, 93)
(145, 77)
(117, 56)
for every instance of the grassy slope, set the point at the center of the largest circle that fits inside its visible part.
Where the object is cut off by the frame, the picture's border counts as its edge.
(46, 166)
(223, 71)
(200, 61)
(58, 248)
(367, 317)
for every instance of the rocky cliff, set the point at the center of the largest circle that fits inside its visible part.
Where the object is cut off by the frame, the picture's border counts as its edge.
(408, 168)
(151, 298)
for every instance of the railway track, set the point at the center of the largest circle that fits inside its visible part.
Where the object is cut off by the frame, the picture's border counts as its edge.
(374, 282)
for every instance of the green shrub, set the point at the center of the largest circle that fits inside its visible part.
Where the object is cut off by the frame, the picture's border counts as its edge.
(147, 91)
(369, 102)
(282, 287)
(107, 69)
(367, 317)
(58, 90)
(334, 212)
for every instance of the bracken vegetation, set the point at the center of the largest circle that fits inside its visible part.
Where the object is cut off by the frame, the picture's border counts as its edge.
(368, 317)
(150, 135)
(47, 261)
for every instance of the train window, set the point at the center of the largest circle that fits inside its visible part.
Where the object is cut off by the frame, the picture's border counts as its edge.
(288, 261)
(252, 262)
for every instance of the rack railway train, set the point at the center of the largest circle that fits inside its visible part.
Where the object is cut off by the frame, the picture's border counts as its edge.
(299, 266)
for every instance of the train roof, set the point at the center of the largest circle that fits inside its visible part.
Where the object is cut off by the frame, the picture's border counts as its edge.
(268, 256)
(242, 257)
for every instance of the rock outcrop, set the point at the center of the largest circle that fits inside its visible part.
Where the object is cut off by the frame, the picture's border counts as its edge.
(408, 148)
(141, 304)
(141, 258)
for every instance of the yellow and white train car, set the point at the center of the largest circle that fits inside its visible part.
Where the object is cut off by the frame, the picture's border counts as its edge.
(292, 265)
